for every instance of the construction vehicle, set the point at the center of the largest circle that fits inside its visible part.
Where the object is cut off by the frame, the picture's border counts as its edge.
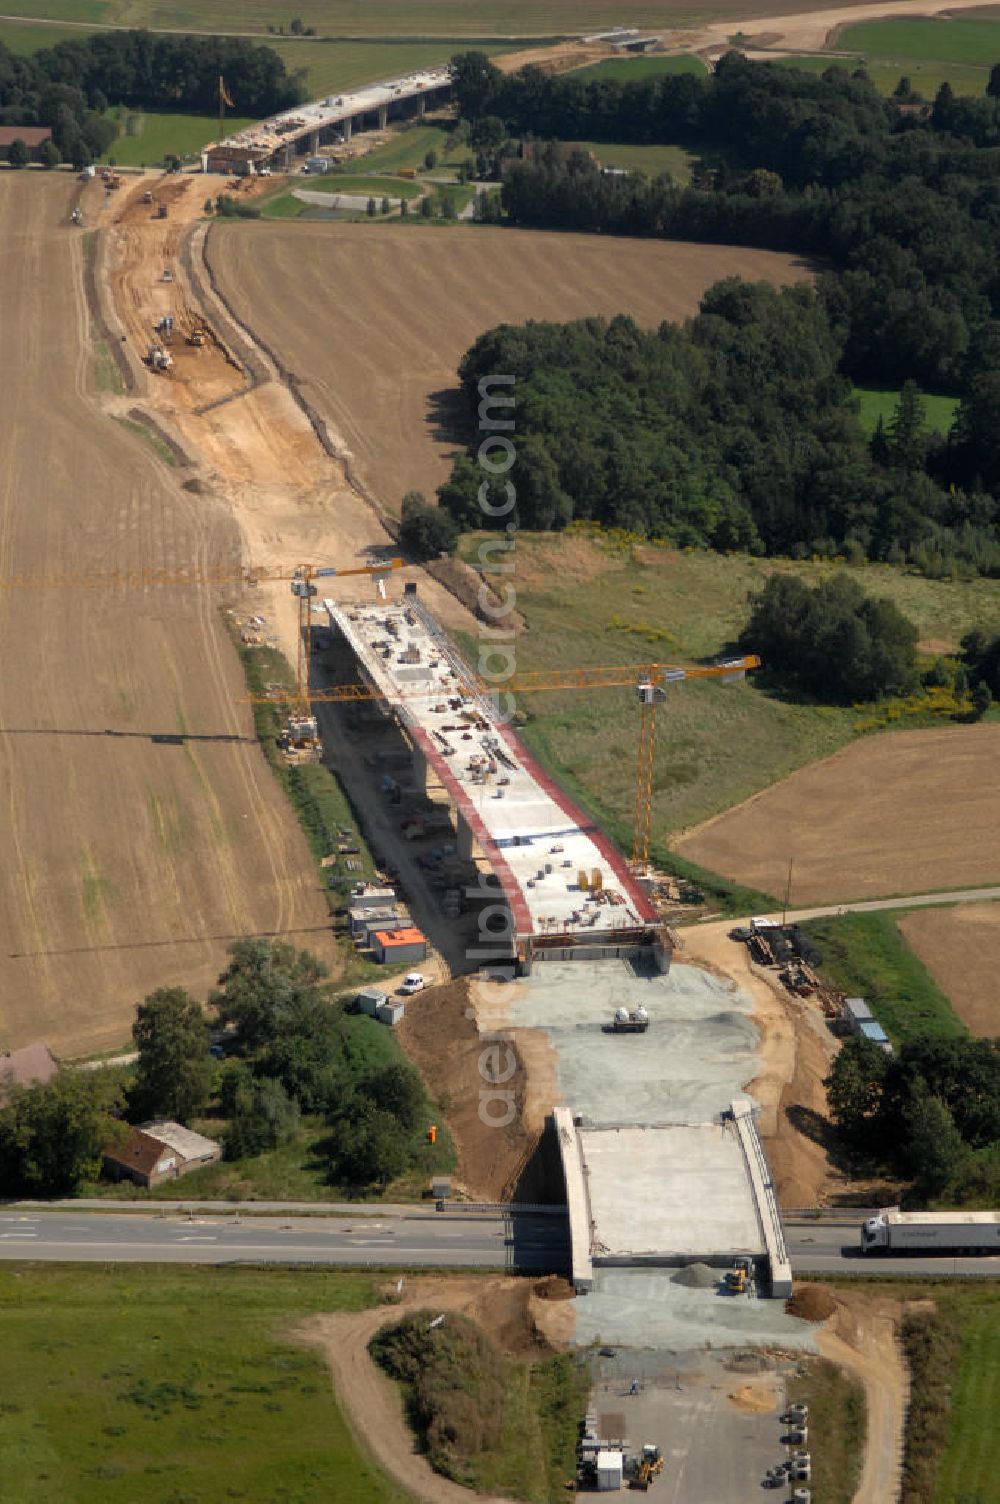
(164, 327)
(76, 218)
(198, 337)
(650, 1466)
(161, 211)
(112, 181)
(738, 1277)
(159, 359)
(147, 197)
(953, 1233)
(628, 1021)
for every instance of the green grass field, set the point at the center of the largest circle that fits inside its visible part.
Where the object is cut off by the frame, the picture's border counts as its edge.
(881, 402)
(866, 956)
(375, 18)
(961, 40)
(717, 744)
(157, 135)
(971, 1462)
(172, 1384)
(349, 182)
(648, 159)
(629, 69)
(885, 73)
(409, 147)
(330, 65)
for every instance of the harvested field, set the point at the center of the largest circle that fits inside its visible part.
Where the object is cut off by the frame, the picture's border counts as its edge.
(140, 825)
(906, 812)
(374, 326)
(961, 949)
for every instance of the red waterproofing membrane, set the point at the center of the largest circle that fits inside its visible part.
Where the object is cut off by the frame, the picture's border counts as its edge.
(464, 805)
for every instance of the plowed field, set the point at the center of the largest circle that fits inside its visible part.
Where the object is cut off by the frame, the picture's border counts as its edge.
(960, 947)
(906, 812)
(373, 319)
(139, 826)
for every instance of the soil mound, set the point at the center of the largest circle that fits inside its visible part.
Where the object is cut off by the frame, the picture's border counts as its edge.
(811, 1303)
(554, 1288)
(696, 1277)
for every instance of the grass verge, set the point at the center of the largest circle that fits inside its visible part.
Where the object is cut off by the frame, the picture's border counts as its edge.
(163, 450)
(319, 800)
(867, 956)
(837, 1423)
(169, 1384)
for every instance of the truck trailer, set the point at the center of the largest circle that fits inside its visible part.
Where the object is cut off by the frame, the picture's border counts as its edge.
(931, 1232)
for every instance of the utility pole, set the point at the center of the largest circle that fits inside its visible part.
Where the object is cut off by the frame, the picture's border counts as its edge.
(788, 893)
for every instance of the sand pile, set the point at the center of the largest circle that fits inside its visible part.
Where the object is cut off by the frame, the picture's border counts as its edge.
(696, 1277)
(811, 1302)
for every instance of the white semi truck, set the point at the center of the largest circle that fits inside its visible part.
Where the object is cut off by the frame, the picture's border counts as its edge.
(931, 1232)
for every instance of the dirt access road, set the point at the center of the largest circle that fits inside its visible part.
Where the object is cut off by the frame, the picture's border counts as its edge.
(372, 1402)
(375, 325)
(140, 827)
(255, 450)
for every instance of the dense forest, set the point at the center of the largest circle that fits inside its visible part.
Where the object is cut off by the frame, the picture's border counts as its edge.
(69, 86)
(902, 206)
(736, 430)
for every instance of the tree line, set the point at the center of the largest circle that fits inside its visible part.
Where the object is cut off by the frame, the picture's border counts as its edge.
(931, 1113)
(904, 207)
(70, 86)
(735, 430)
(291, 1052)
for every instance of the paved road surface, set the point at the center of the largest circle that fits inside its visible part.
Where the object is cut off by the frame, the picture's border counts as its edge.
(403, 1237)
(474, 1241)
(834, 1248)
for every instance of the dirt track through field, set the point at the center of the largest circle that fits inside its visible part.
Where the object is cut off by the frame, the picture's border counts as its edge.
(373, 319)
(141, 828)
(904, 812)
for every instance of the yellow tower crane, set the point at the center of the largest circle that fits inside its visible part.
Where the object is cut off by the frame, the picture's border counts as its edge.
(649, 680)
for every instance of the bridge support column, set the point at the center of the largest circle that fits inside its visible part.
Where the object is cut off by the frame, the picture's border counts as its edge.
(314, 143)
(463, 838)
(419, 770)
(289, 157)
(421, 104)
(348, 126)
(383, 116)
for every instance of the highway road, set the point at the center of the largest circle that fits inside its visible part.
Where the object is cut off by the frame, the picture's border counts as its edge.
(398, 1237)
(474, 1240)
(834, 1248)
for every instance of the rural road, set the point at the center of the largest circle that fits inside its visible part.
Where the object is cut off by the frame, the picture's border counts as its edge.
(875, 905)
(397, 1237)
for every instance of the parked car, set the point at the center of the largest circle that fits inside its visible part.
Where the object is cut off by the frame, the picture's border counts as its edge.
(414, 982)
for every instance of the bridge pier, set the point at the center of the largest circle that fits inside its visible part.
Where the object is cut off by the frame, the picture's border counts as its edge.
(347, 127)
(383, 116)
(314, 143)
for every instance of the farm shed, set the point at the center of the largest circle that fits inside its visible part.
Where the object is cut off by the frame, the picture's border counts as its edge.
(157, 1152)
(399, 947)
